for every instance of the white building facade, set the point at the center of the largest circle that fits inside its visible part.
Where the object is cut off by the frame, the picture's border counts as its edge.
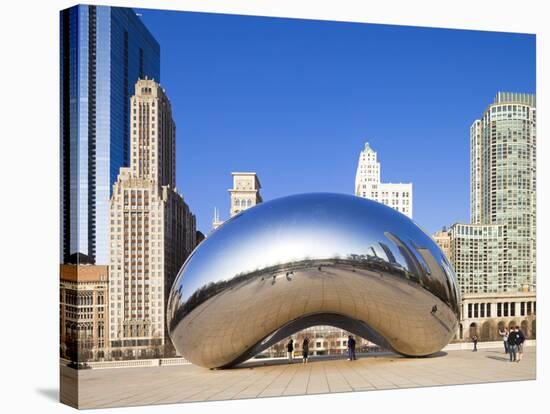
(151, 232)
(398, 196)
(245, 192)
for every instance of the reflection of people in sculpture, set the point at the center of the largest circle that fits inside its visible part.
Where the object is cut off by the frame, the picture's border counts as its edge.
(474, 340)
(290, 350)
(351, 348)
(434, 309)
(305, 350)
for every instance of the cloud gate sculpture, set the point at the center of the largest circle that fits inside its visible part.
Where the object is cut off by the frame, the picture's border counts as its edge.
(306, 260)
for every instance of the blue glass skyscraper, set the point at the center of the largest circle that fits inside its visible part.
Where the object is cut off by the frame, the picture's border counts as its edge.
(104, 50)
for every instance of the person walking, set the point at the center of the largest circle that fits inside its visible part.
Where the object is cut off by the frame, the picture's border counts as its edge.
(290, 350)
(474, 340)
(504, 335)
(351, 348)
(305, 350)
(520, 339)
(512, 344)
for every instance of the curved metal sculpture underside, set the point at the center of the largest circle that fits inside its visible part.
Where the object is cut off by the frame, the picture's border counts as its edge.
(306, 260)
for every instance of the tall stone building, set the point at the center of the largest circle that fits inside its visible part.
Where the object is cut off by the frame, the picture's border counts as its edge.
(84, 301)
(503, 182)
(151, 231)
(398, 196)
(245, 192)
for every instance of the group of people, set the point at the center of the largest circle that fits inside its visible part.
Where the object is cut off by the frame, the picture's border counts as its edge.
(513, 339)
(513, 343)
(305, 350)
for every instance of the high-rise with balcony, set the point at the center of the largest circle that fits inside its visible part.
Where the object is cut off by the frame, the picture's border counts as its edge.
(151, 230)
(398, 196)
(503, 183)
(104, 51)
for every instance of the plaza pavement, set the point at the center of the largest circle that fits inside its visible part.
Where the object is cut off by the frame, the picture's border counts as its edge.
(256, 379)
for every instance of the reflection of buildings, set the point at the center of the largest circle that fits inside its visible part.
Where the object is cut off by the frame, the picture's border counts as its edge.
(152, 230)
(503, 182)
(389, 254)
(484, 314)
(427, 269)
(104, 50)
(368, 185)
(412, 263)
(84, 312)
(244, 194)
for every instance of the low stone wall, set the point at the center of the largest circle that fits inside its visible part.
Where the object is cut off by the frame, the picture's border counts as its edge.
(133, 363)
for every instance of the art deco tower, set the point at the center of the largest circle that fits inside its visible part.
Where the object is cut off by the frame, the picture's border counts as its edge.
(398, 196)
(152, 230)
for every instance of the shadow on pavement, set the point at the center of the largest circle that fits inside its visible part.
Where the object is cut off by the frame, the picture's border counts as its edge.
(498, 358)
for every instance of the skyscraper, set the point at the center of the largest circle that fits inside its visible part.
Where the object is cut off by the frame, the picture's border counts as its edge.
(398, 196)
(503, 181)
(103, 50)
(151, 230)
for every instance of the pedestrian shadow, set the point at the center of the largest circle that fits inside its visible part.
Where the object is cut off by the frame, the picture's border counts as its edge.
(497, 358)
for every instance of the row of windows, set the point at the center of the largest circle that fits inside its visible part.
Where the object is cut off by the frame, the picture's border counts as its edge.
(482, 310)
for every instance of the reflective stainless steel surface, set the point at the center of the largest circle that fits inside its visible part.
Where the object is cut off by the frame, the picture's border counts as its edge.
(312, 259)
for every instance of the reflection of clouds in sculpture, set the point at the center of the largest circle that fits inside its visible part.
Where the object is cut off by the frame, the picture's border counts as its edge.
(232, 293)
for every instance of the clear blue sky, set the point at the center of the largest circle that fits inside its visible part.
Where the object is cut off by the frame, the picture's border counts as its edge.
(295, 100)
